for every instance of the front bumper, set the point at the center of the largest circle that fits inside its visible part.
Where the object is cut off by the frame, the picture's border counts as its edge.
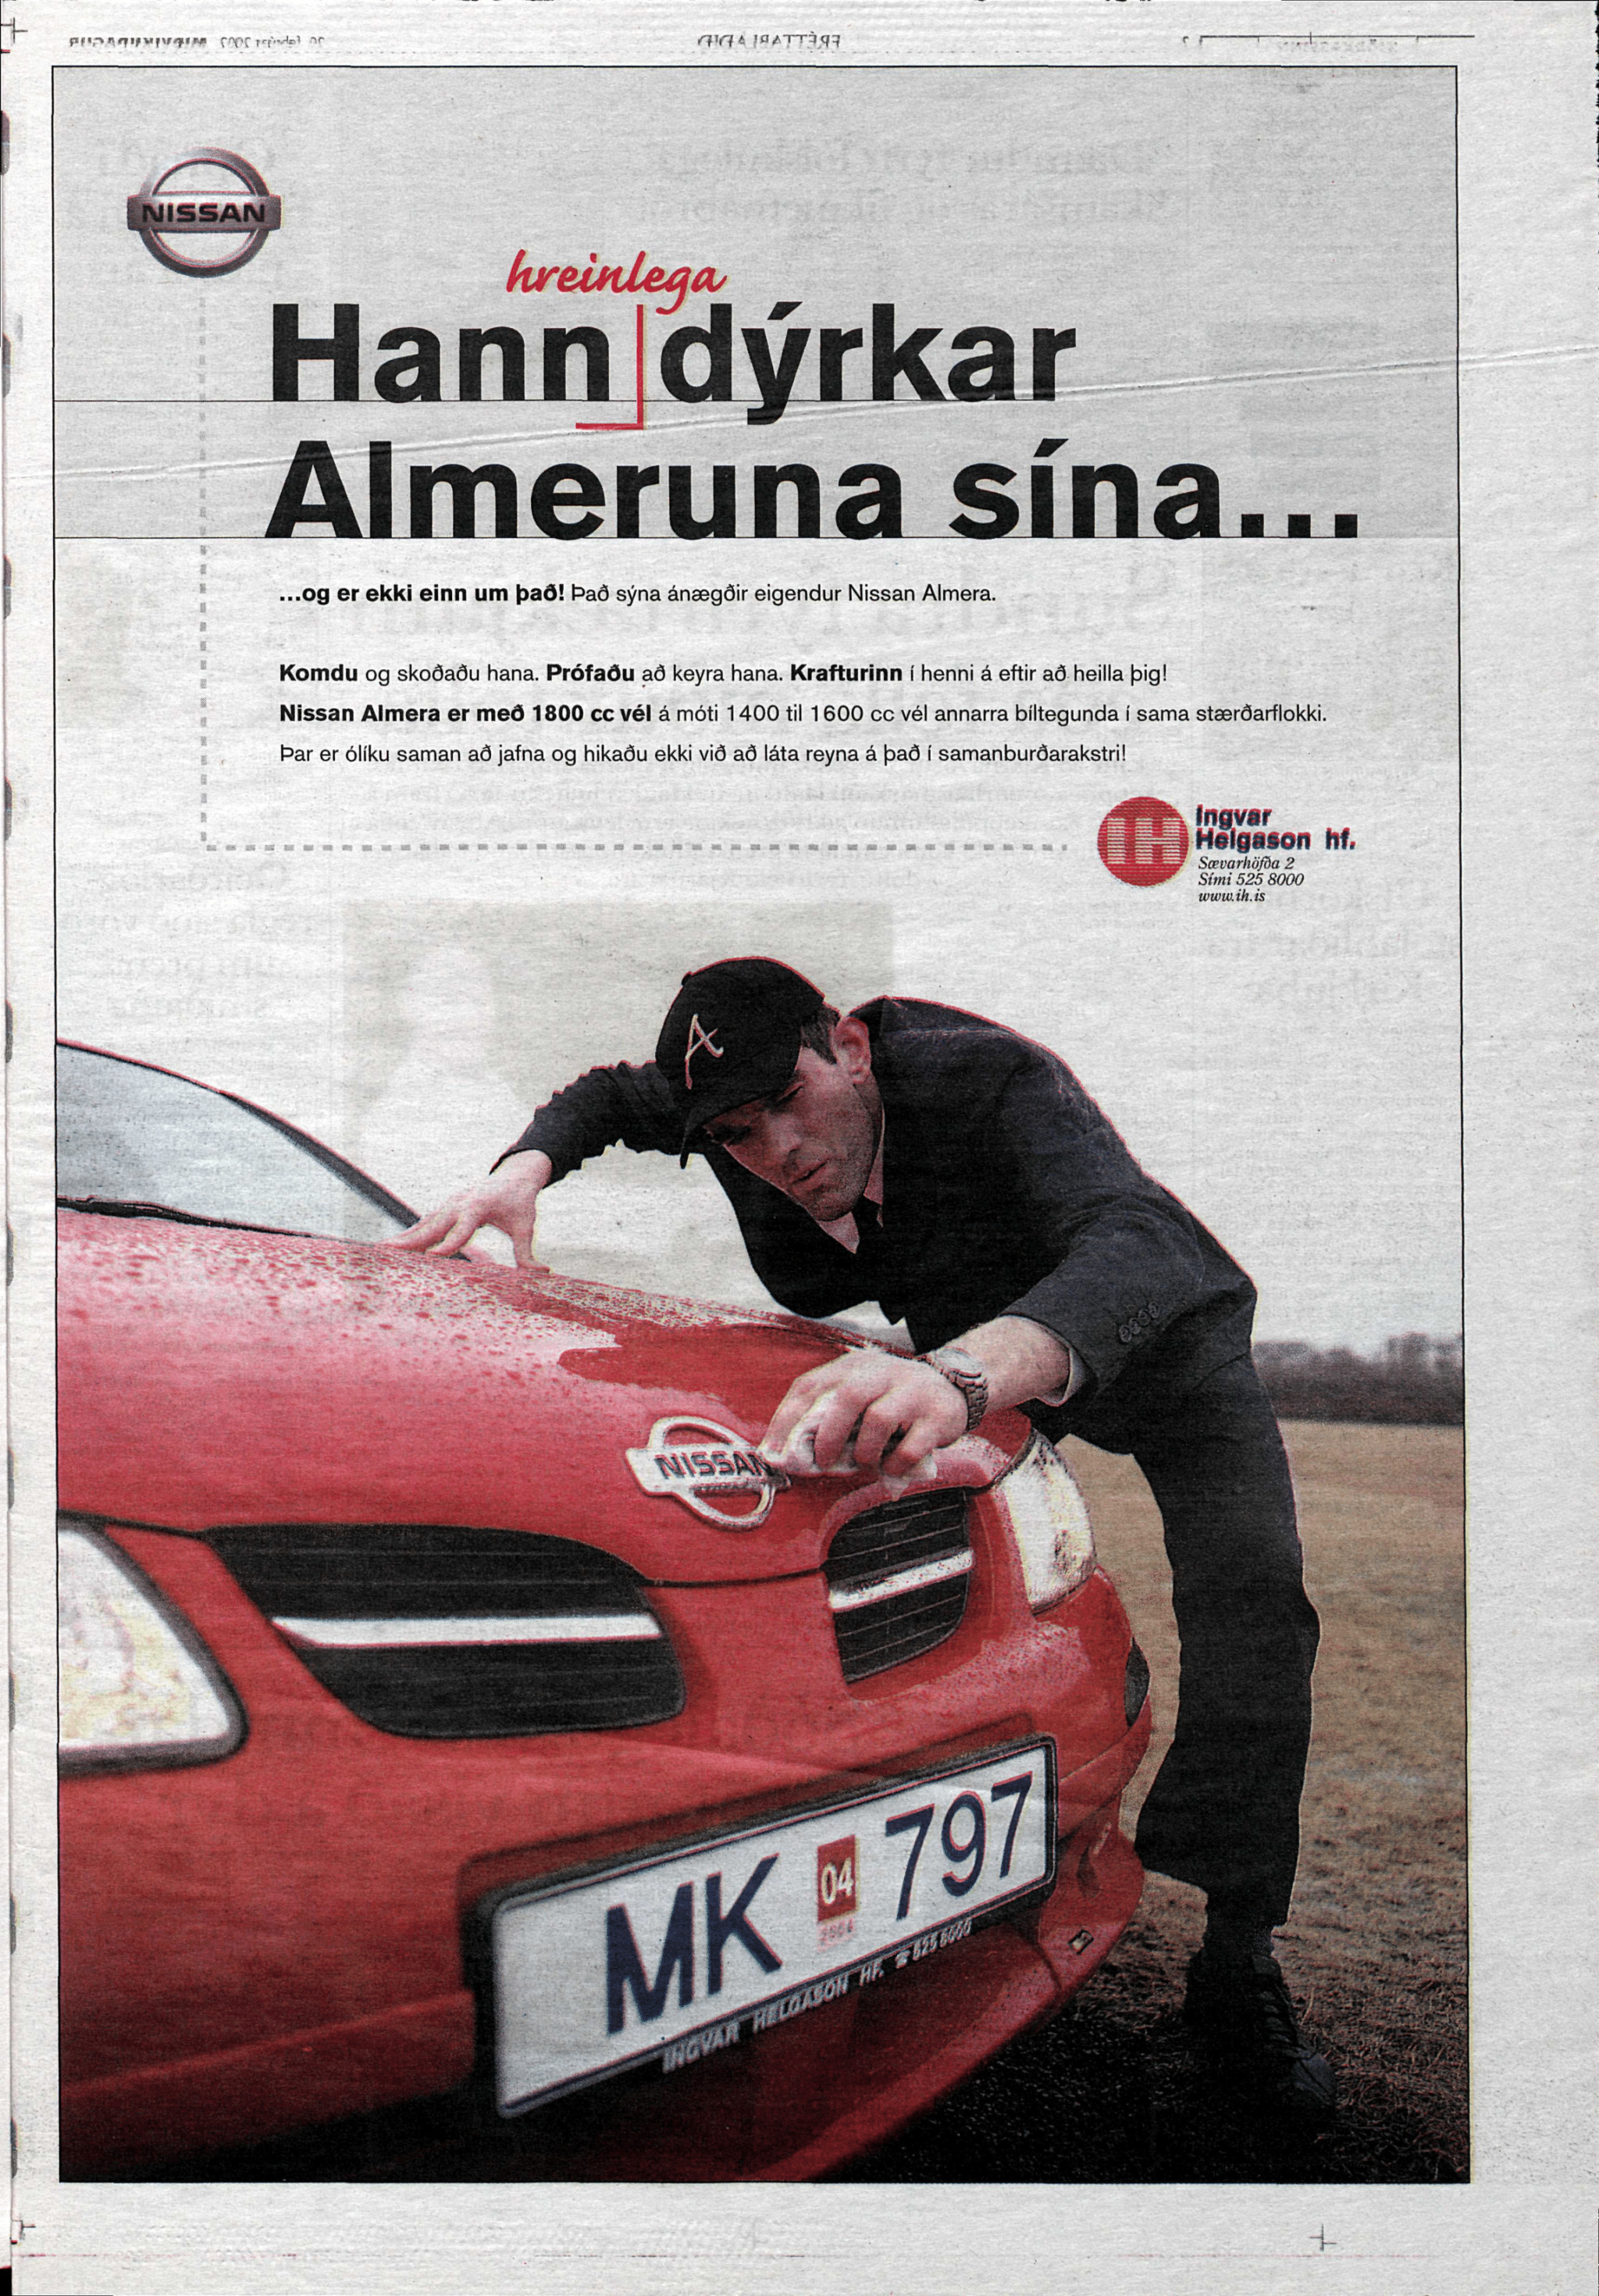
(315, 1896)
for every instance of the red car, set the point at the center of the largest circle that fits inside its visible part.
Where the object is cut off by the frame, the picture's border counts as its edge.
(455, 1705)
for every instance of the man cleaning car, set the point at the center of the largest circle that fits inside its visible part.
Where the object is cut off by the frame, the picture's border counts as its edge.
(958, 1174)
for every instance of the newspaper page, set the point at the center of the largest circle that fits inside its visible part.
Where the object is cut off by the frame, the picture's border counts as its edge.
(982, 620)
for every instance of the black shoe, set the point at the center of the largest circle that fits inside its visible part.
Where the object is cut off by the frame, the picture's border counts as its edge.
(1242, 2010)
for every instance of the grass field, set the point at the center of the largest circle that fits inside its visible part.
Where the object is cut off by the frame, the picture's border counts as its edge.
(1375, 1950)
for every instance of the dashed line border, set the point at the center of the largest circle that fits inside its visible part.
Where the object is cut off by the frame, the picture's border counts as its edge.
(685, 845)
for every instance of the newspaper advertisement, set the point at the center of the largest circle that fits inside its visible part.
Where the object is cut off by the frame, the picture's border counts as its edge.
(780, 806)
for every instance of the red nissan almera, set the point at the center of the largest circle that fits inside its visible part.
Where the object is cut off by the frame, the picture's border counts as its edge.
(454, 1706)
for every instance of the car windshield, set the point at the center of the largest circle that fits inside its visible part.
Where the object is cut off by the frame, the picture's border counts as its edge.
(131, 1139)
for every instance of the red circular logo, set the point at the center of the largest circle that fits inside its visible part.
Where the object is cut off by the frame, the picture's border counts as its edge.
(1143, 840)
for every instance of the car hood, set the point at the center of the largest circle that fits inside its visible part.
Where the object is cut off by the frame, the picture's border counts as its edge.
(213, 1377)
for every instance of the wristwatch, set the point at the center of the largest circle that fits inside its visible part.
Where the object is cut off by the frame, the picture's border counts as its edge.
(967, 1376)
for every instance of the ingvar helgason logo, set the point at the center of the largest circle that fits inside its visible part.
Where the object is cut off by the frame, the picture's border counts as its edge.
(1143, 840)
(184, 201)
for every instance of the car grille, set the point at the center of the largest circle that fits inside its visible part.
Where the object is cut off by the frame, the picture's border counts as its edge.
(897, 1580)
(440, 1633)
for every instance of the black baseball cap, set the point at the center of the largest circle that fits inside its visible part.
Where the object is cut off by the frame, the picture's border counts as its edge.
(732, 1034)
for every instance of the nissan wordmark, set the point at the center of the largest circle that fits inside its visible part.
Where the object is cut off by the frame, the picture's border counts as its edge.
(456, 1705)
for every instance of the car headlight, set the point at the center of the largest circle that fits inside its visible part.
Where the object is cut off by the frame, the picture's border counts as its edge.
(1048, 1521)
(137, 1686)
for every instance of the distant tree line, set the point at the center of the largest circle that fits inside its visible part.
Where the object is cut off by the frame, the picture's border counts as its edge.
(1413, 1381)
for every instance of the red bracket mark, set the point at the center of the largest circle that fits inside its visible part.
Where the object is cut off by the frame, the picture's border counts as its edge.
(639, 369)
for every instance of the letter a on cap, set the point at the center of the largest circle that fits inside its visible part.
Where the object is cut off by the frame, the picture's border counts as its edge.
(698, 1041)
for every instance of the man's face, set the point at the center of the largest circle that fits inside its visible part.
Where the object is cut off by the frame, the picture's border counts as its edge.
(816, 1139)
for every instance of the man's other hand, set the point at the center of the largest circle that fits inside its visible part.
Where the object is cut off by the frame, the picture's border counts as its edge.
(507, 1199)
(868, 1409)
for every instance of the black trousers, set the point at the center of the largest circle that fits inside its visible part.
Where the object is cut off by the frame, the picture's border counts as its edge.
(1224, 1811)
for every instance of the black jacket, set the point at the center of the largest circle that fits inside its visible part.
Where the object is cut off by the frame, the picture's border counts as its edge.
(1005, 1191)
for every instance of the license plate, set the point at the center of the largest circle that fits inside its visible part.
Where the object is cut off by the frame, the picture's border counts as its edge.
(680, 1955)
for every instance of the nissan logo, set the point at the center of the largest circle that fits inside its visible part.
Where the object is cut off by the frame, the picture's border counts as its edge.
(165, 210)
